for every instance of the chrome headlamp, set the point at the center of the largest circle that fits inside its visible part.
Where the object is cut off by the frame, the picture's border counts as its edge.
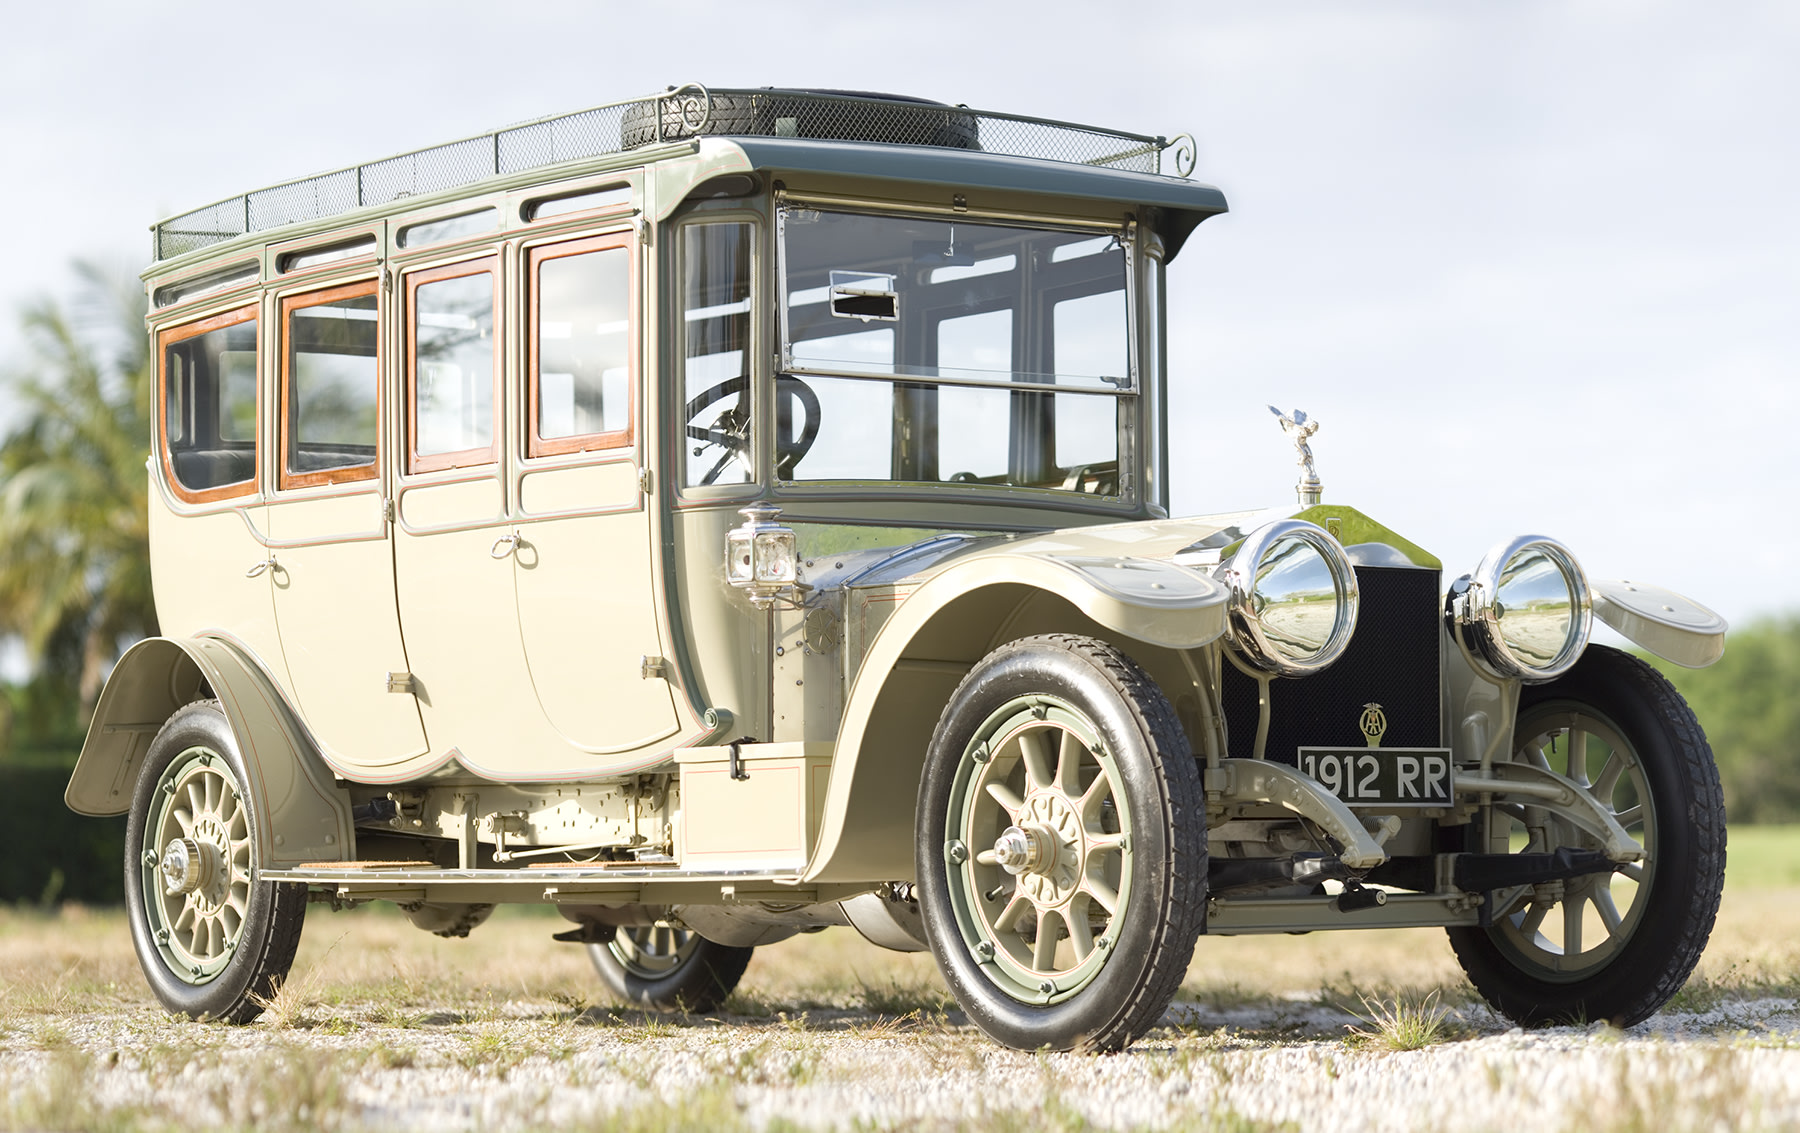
(1293, 598)
(1525, 613)
(762, 556)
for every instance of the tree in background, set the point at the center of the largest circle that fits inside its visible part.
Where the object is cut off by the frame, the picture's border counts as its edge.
(1749, 704)
(74, 536)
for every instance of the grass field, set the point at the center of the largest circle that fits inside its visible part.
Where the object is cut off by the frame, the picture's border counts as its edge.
(382, 1025)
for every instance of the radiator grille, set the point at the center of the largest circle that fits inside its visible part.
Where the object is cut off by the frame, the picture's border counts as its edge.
(1392, 661)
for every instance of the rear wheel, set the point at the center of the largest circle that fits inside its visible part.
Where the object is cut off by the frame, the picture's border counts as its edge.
(666, 968)
(1061, 849)
(214, 941)
(1618, 945)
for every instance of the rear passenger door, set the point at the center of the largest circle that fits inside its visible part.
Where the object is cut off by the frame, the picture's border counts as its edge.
(333, 577)
(207, 525)
(454, 536)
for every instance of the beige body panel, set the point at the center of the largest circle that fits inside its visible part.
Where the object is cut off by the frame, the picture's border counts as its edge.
(586, 614)
(525, 636)
(452, 501)
(460, 623)
(304, 817)
(766, 816)
(202, 581)
(336, 570)
(722, 650)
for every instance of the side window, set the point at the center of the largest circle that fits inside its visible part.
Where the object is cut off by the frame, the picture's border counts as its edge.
(450, 366)
(329, 381)
(208, 390)
(715, 312)
(581, 346)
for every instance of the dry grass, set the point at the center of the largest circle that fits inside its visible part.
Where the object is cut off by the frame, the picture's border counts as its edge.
(373, 965)
(380, 1024)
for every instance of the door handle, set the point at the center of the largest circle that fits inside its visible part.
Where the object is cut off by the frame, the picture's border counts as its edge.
(504, 546)
(267, 564)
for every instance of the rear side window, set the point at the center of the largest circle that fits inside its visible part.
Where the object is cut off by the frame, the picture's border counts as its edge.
(208, 392)
(450, 338)
(329, 386)
(581, 346)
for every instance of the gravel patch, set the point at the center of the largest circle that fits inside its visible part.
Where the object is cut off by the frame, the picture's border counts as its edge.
(523, 1065)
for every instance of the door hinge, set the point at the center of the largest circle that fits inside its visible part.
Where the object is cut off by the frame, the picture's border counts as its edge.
(652, 667)
(400, 682)
(387, 511)
(646, 481)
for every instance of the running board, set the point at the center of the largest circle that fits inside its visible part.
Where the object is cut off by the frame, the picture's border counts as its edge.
(625, 882)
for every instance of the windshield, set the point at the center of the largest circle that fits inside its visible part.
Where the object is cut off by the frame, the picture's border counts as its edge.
(919, 349)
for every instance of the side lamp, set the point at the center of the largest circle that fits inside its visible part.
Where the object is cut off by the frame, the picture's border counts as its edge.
(762, 557)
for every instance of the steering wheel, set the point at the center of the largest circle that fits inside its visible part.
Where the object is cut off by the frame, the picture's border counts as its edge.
(730, 430)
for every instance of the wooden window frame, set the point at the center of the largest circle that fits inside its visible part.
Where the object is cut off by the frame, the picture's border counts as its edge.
(288, 478)
(535, 445)
(462, 458)
(165, 454)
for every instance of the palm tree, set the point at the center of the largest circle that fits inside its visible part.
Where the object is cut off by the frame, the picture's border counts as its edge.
(74, 537)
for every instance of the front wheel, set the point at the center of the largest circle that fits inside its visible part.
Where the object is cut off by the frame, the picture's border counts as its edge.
(1061, 846)
(213, 939)
(666, 968)
(1617, 945)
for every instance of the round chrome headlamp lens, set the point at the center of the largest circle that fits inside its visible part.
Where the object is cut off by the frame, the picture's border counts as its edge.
(1293, 598)
(1525, 613)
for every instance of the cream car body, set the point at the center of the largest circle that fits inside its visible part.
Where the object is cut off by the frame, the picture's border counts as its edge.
(478, 638)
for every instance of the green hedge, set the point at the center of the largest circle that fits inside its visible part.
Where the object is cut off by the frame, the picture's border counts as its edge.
(53, 853)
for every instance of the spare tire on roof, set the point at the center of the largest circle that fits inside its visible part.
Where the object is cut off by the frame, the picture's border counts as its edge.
(838, 115)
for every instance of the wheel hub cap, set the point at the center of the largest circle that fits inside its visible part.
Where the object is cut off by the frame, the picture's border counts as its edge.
(1019, 850)
(1053, 826)
(187, 866)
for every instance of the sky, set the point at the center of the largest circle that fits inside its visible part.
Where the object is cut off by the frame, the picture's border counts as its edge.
(1533, 266)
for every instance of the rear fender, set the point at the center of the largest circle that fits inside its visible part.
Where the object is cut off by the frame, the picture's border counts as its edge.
(305, 815)
(1152, 609)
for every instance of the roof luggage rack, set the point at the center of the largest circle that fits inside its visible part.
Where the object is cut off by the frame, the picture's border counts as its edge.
(678, 113)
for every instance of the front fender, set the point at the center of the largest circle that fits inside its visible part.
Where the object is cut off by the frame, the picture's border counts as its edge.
(934, 638)
(1673, 627)
(304, 816)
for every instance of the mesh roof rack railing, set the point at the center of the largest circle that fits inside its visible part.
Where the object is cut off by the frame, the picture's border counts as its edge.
(680, 112)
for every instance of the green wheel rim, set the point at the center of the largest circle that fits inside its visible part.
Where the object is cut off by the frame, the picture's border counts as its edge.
(197, 865)
(650, 952)
(1564, 931)
(1038, 849)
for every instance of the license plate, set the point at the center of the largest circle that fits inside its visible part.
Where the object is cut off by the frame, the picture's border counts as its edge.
(1400, 776)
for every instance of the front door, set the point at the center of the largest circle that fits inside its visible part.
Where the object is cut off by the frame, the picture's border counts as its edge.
(587, 613)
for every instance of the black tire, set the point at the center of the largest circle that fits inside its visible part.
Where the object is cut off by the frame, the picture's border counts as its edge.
(219, 947)
(1074, 988)
(895, 118)
(670, 969)
(1667, 796)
